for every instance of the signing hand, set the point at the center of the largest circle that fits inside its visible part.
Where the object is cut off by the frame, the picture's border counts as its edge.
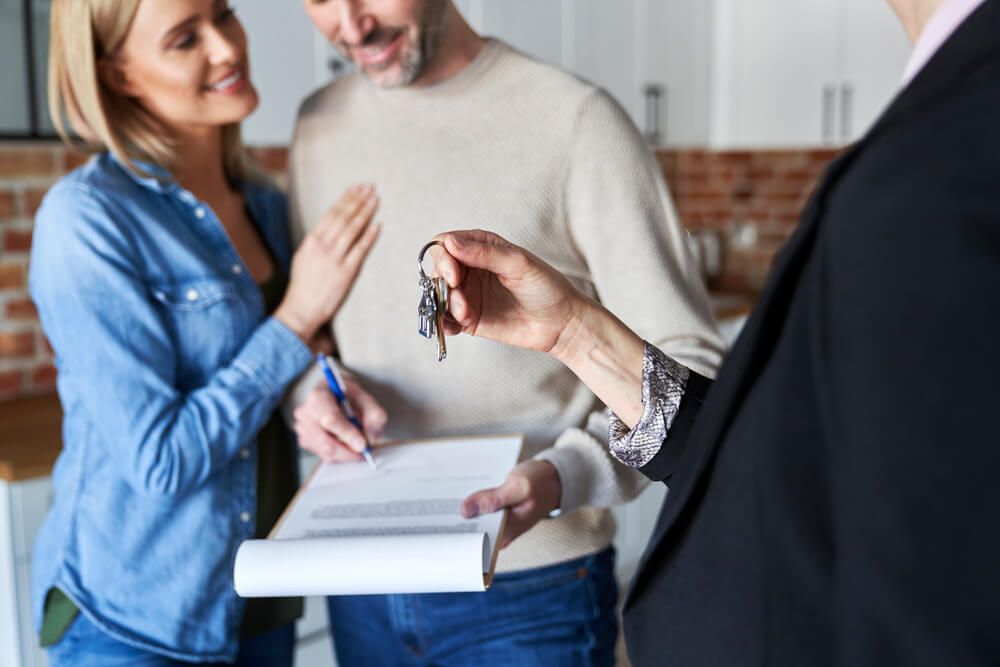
(323, 429)
(531, 491)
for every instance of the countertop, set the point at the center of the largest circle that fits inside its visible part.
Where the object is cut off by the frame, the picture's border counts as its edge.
(30, 436)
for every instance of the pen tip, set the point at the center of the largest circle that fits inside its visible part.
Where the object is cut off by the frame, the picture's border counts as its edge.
(371, 459)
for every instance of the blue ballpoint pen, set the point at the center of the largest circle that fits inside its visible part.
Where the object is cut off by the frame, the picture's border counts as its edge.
(337, 386)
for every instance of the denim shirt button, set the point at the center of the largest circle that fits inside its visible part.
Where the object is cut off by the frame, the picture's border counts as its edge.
(199, 213)
(236, 269)
(245, 453)
(245, 517)
(192, 294)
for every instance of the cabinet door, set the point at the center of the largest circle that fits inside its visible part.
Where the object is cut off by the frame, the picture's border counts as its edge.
(875, 50)
(603, 49)
(30, 503)
(673, 39)
(532, 26)
(282, 67)
(776, 72)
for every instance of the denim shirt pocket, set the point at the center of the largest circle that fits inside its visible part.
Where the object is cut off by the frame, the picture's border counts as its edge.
(208, 320)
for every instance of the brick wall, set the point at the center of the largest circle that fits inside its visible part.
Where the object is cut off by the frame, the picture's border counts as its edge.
(745, 203)
(26, 172)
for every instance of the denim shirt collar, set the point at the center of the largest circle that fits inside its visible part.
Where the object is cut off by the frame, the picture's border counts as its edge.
(159, 179)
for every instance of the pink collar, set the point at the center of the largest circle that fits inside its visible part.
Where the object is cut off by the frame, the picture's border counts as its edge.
(942, 24)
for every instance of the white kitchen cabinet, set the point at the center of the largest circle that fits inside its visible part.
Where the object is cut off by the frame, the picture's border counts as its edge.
(674, 53)
(776, 72)
(875, 51)
(23, 505)
(594, 39)
(282, 44)
(802, 72)
(605, 49)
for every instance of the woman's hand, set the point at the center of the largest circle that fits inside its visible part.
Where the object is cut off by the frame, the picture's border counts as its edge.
(327, 262)
(503, 292)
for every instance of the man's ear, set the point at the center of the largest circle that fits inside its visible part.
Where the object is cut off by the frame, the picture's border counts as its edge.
(113, 76)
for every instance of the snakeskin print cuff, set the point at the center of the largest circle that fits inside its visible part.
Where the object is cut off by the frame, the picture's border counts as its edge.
(663, 384)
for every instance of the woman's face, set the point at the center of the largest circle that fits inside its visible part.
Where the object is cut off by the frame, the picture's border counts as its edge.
(186, 62)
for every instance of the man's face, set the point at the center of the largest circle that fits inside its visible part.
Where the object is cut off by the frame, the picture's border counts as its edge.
(392, 42)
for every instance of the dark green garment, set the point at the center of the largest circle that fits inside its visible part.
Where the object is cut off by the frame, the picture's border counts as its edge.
(277, 481)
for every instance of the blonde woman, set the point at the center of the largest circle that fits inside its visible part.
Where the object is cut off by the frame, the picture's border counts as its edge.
(161, 274)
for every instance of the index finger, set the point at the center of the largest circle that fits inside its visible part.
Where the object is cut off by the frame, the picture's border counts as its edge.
(446, 266)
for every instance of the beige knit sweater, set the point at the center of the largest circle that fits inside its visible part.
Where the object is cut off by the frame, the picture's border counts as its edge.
(551, 163)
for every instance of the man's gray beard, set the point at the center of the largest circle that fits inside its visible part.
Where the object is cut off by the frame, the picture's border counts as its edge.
(431, 35)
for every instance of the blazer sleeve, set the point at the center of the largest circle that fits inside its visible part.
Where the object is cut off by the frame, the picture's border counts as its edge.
(663, 464)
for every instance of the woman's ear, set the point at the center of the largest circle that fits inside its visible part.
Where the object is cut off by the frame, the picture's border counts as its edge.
(113, 76)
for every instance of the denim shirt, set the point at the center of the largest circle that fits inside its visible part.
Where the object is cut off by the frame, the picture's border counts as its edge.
(168, 367)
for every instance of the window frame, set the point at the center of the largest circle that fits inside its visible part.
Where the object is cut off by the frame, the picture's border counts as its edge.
(35, 131)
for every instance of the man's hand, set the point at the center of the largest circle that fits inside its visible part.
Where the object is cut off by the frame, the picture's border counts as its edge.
(531, 491)
(324, 430)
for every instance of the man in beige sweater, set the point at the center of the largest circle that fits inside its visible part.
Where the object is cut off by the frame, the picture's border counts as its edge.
(458, 131)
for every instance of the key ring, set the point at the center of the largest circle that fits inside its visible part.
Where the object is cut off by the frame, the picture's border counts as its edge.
(420, 258)
(439, 282)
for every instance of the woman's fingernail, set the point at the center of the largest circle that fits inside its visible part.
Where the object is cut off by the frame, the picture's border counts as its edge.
(471, 510)
(458, 242)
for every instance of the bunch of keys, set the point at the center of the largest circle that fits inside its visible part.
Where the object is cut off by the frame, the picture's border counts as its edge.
(433, 305)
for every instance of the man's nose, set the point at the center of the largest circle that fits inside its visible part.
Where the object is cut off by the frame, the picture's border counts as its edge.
(356, 22)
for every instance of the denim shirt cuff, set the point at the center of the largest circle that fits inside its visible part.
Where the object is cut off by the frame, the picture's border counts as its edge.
(273, 356)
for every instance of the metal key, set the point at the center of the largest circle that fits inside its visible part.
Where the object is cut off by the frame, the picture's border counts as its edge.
(433, 306)
(441, 295)
(427, 309)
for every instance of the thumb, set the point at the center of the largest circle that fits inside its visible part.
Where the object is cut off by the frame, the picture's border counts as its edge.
(486, 501)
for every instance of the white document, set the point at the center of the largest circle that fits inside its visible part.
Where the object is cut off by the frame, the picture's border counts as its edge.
(353, 530)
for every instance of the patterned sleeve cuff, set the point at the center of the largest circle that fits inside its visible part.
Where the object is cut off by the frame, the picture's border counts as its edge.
(663, 384)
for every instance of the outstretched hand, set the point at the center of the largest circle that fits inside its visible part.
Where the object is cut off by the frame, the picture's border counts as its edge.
(503, 292)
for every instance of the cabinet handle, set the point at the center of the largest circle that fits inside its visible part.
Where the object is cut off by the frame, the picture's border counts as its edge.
(652, 93)
(829, 99)
(846, 111)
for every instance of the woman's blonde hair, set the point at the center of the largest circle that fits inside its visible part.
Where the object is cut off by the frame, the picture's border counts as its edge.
(82, 33)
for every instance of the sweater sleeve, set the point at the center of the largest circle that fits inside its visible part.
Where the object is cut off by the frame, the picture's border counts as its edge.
(619, 215)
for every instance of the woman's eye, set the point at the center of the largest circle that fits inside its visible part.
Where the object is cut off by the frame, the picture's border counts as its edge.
(226, 14)
(186, 42)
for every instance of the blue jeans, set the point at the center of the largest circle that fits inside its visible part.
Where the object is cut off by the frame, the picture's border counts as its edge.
(562, 615)
(86, 645)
